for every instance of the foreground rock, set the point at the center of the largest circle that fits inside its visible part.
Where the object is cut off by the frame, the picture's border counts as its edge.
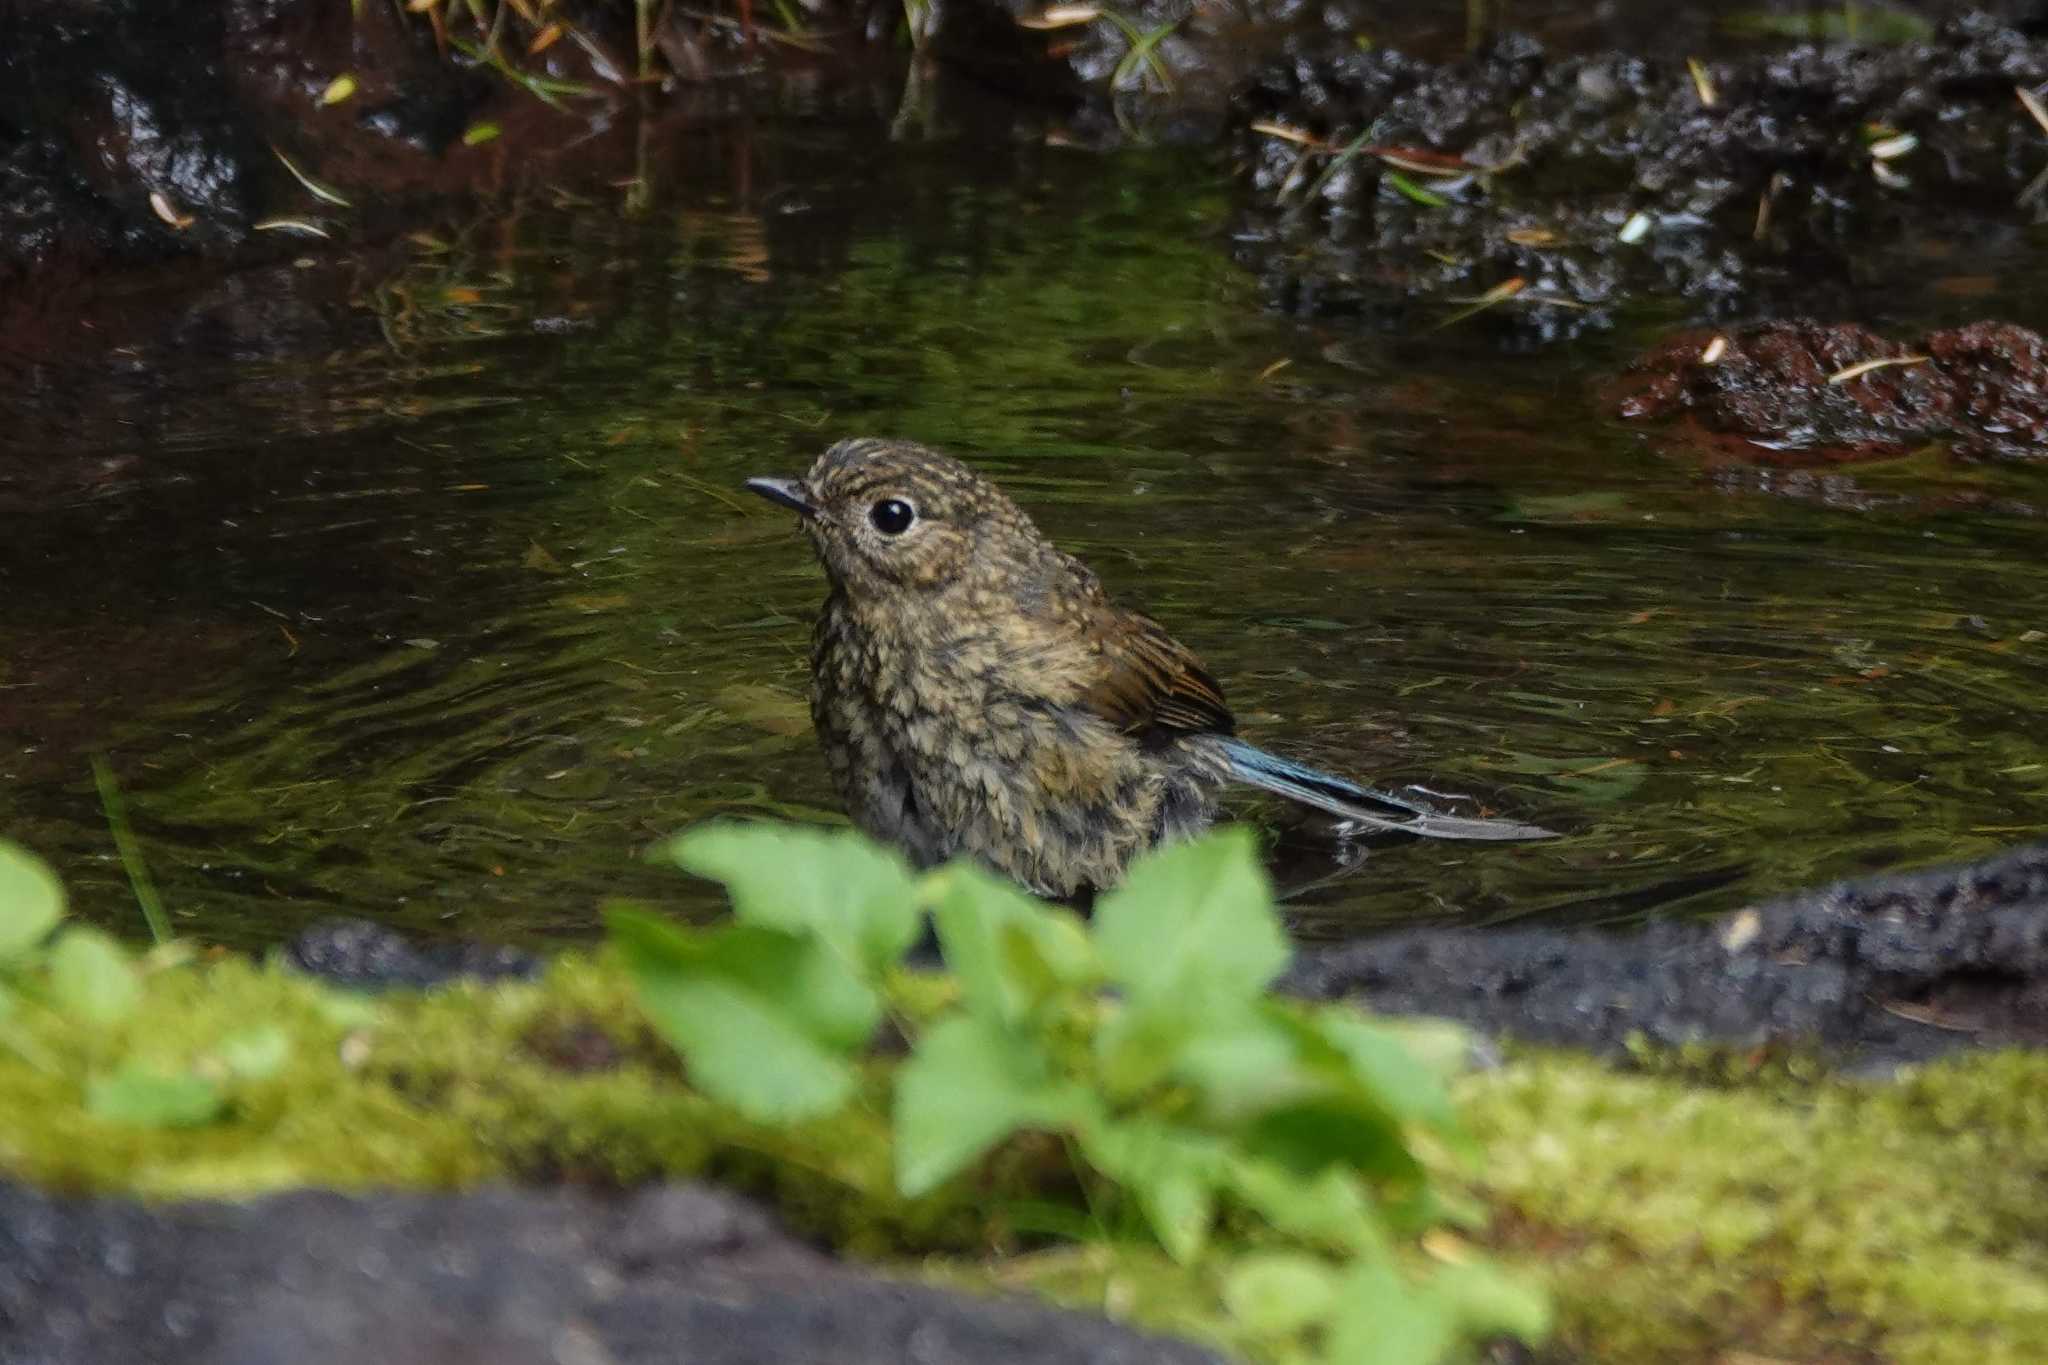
(669, 1273)
(1881, 968)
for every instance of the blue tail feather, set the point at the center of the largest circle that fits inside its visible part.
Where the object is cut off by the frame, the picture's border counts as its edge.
(1375, 809)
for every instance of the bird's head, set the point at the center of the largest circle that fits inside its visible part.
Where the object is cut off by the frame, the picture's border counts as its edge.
(891, 518)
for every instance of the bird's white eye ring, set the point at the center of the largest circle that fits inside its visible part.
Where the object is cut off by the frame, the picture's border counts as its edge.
(892, 516)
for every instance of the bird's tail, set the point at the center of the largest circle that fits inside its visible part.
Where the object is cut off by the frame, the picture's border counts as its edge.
(1349, 801)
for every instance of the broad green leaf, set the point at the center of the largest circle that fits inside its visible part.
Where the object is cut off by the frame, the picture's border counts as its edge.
(1243, 1062)
(1339, 1129)
(1173, 1171)
(763, 1019)
(255, 1053)
(1194, 921)
(1382, 1320)
(1278, 1292)
(1332, 1209)
(1489, 1302)
(791, 972)
(145, 1098)
(970, 1084)
(1383, 1062)
(92, 978)
(858, 897)
(1009, 950)
(1137, 1043)
(31, 901)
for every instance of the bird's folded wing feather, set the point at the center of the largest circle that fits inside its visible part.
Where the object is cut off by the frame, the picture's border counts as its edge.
(1146, 682)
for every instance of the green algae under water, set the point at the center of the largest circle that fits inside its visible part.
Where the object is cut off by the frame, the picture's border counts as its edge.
(417, 583)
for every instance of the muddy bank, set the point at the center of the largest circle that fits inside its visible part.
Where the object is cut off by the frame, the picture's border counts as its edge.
(1395, 165)
(1395, 187)
(1878, 968)
(668, 1272)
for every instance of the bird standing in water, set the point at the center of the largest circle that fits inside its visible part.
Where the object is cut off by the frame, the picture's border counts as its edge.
(976, 692)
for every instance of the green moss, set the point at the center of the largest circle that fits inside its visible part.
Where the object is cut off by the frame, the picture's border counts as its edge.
(1824, 1219)
(1836, 1220)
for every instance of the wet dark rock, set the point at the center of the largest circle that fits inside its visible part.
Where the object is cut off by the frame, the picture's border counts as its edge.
(1877, 968)
(1874, 968)
(1815, 172)
(358, 955)
(668, 1273)
(1983, 388)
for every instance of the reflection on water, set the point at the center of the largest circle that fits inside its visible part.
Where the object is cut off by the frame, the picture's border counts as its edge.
(416, 583)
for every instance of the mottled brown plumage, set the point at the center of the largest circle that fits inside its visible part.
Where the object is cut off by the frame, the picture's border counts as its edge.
(976, 692)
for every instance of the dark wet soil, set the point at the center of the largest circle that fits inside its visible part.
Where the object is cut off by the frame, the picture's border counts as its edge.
(1590, 184)
(666, 1273)
(1844, 392)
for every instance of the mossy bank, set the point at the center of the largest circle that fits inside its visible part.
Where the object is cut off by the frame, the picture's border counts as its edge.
(1830, 1219)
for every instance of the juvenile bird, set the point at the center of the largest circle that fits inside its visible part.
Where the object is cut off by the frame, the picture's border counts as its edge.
(976, 692)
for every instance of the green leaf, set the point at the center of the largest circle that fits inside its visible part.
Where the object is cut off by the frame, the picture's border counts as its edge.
(1335, 1130)
(256, 1053)
(792, 973)
(1384, 1063)
(1137, 1043)
(970, 1084)
(1488, 1302)
(31, 901)
(1193, 922)
(859, 898)
(141, 1097)
(1331, 1209)
(1173, 1171)
(1277, 1293)
(1381, 1320)
(92, 978)
(1244, 1063)
(1009, 950)
(763, 1018)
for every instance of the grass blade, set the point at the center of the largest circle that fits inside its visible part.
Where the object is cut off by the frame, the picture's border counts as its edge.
(130, 850)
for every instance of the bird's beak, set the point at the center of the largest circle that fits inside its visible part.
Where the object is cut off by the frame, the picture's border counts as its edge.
(789, 492)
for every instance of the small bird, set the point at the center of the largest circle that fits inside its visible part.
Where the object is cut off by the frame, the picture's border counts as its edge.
(976, 692)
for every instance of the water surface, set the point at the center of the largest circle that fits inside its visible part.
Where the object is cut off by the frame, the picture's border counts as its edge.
(415, 582)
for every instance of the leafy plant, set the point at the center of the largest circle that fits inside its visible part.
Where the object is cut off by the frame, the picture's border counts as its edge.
(1298, 1151)
(93, 984)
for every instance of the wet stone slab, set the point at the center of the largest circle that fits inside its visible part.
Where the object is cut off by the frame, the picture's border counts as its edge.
(1875, 969)
(668, 1273)
(1870, 970)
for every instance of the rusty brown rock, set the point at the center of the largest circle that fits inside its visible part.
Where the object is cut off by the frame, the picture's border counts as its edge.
(1798, 386)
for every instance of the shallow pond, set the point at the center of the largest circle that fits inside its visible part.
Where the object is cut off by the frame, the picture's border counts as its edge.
(415, 582)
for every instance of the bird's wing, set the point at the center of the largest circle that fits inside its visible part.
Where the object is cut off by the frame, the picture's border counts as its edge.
(1145, 682)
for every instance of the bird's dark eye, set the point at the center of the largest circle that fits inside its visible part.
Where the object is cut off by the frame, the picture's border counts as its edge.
(892, 516)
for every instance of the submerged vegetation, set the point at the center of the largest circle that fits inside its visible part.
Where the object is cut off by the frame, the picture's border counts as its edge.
(1173, 1165)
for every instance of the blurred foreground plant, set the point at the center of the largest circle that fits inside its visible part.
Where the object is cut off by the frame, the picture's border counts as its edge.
(1296, 1153)
(90, 985)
